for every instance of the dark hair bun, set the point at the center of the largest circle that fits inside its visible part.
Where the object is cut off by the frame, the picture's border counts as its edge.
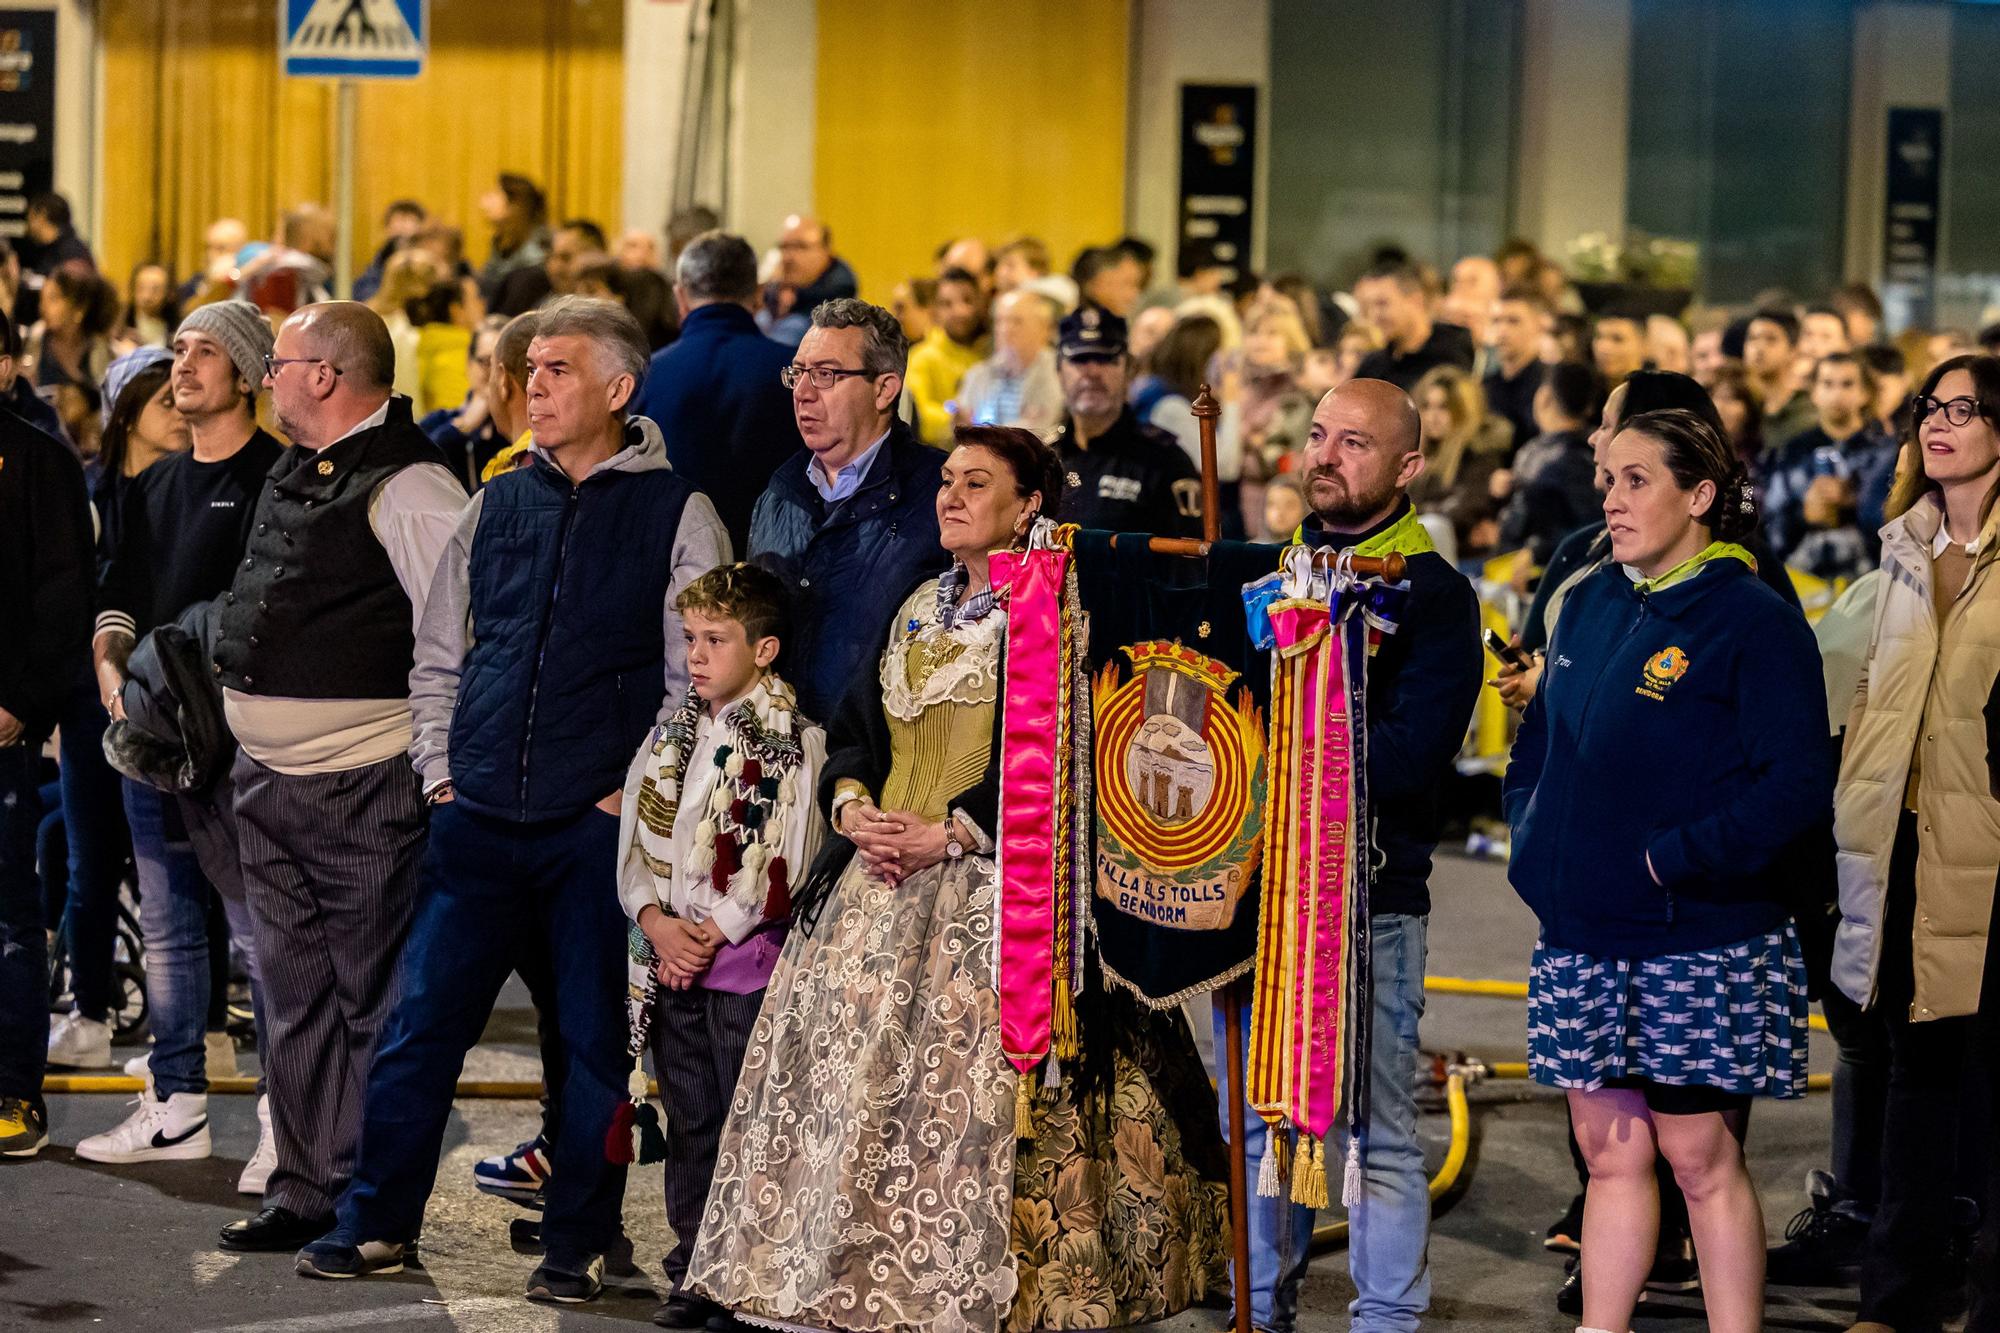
(1696, 452)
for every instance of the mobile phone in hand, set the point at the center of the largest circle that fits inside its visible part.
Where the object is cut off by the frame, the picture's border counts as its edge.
(1511, 655)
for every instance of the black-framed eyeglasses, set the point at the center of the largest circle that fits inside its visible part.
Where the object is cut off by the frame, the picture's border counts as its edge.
(823, 377)
(274, 364)
(1958, 411)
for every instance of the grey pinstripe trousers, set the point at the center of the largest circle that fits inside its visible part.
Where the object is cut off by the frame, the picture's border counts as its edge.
(699, 1038)
(330, 870)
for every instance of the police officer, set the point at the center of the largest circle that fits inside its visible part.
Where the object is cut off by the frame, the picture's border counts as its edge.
(1122, 474)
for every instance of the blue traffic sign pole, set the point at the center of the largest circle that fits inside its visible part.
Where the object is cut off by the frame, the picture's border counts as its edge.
(349, 40)
(343, 194)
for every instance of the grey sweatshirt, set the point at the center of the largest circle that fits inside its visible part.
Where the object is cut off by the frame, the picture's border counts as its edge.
(446, 634)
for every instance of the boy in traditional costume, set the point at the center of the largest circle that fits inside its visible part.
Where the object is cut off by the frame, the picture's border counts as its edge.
(717, 823)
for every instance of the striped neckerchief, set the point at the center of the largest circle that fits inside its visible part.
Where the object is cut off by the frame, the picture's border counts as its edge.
(950, 584)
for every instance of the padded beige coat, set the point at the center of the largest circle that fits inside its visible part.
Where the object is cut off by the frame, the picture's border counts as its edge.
(1925, 683)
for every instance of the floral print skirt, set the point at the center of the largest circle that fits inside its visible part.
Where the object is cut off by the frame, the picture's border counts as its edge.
(865, 1173)
(1121, 1202)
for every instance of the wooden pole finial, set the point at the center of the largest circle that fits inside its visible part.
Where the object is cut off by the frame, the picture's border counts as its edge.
(1206, 411)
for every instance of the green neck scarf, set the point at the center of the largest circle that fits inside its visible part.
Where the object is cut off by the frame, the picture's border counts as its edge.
(1691, 566)
(1406, 536)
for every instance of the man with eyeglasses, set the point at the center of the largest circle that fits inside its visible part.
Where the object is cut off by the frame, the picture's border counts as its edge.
(851, 524)
(1123, 474)
(314, 646)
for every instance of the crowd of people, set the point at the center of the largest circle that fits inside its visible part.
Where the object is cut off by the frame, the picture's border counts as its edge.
(626, 622)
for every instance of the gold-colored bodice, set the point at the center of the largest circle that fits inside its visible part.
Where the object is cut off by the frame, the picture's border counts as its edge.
(941, 688)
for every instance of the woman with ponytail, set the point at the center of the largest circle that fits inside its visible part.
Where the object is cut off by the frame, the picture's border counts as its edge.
(1674, 750)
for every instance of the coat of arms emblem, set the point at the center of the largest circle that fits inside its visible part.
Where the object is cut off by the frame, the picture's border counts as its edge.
(1180, 787)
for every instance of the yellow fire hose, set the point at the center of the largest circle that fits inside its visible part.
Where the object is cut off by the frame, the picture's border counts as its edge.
(1462, 1070)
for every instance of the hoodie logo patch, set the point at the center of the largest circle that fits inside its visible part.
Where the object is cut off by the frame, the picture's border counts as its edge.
(1662, 670)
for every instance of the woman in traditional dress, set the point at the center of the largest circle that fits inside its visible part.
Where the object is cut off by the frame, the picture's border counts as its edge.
(867, 1178)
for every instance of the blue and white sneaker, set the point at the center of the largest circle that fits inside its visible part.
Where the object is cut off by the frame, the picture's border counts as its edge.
(564, 1287)
(518, 1176)
(329, 1258)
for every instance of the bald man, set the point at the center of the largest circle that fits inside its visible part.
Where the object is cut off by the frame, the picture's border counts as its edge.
(808, 274)
(313, 650)
(1362, 452)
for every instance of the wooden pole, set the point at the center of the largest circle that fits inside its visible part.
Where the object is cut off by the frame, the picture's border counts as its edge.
(1206, 411)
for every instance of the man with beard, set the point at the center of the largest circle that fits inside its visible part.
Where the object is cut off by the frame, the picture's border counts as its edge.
(1120, 474)
(1362, 452)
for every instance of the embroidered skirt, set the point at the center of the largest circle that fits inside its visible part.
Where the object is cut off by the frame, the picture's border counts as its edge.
(1732, 1019)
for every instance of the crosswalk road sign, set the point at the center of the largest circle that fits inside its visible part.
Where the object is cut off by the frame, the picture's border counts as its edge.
(354, 39)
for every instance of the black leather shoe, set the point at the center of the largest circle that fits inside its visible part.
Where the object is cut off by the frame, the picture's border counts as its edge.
(274, 1230)
(686, 1310)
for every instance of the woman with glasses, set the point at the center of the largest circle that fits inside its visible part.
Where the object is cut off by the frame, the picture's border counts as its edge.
(1918, 829)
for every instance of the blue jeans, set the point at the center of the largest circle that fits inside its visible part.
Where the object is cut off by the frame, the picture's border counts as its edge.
(1389, 1232)
(96, 840)
(24, 947)
(490, 888)
(174, 906)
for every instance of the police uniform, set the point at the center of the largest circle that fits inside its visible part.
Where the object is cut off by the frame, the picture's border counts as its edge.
(1134, 477)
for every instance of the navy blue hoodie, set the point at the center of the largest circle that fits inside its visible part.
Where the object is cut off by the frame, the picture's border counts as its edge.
(1687, 723)
(1422, 684)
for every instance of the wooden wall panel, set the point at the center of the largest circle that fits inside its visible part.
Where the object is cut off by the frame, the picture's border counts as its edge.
(199, 124)
(935, 121)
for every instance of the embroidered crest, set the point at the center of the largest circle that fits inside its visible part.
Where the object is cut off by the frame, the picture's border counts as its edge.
(1180, 787)
(1662, 670)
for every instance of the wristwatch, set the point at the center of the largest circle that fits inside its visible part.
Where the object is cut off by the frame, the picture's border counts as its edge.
(953, 848)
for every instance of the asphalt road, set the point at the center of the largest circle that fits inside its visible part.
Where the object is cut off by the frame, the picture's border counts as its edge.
(83, 1245)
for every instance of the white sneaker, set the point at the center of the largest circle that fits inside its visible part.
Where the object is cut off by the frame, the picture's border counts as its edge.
(173, 1130)
(219, 1048)
(257, 1171)
(140, 1066)
(80, 1043)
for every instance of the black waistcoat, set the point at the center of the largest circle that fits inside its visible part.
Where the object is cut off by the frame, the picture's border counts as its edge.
(316, 610)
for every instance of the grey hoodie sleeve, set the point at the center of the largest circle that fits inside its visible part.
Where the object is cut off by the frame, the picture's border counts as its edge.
(700, 544)
(444, 636)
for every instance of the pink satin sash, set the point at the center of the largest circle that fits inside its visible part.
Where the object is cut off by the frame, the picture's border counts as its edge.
(1028, 737)
(1326, 826)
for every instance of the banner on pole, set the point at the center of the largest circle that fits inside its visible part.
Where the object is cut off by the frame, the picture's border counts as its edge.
(354, 39)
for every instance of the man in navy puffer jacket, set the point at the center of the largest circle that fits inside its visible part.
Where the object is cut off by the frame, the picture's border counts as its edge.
(548, 650)
(850, 525)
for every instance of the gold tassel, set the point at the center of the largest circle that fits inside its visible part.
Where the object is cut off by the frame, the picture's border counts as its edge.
(1063, 1039)
(1316, 1176)
(1024, 1107)
(1301, 1170)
